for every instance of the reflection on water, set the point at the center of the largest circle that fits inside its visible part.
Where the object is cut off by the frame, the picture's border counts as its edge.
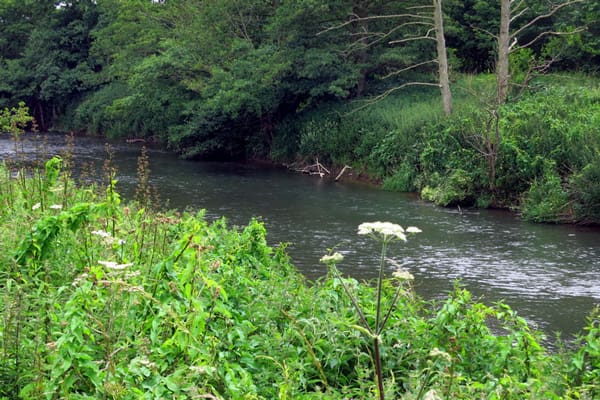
(550, 274)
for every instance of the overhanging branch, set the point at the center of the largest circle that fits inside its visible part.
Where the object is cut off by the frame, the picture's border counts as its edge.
(514, 46)
(409, 68)
(356, 18)
(553, 10)
(390, 91)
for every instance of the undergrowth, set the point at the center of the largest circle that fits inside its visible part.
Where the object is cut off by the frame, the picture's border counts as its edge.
(105, 300)
(537, 154)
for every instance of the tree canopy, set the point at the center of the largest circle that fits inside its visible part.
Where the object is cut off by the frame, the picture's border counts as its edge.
(214, 78)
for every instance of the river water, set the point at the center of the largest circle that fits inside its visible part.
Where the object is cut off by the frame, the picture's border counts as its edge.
(550, 274)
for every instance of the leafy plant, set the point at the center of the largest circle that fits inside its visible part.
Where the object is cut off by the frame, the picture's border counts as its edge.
(384, 232)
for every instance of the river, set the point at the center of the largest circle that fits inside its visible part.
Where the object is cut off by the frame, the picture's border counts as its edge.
(550, 274)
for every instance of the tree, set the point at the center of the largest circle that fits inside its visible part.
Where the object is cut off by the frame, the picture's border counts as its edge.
(52, 66)
(415, 22)
(442, 57)
(520, 28)
(519, 13)
(15, 119)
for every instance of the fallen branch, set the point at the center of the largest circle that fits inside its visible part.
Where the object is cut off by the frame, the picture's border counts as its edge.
(342, 172)
(314, 169)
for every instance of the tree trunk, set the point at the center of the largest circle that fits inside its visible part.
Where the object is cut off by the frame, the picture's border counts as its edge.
(442, 56)
(502, 63)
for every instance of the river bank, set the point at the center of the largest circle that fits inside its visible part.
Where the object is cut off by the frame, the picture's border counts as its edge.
(174, 304)
(540, 270)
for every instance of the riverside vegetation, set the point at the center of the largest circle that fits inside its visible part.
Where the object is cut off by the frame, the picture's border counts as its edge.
(538, 155)
(283, 81)
(105, 300)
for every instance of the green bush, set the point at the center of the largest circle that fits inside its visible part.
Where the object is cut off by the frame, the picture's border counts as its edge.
(584, 367)
(455, 189)
(403, 180)
(585, 187)
(546, 200)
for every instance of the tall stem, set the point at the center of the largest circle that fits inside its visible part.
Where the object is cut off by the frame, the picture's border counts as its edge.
(378, 368)
(378, 329)
(380, 287)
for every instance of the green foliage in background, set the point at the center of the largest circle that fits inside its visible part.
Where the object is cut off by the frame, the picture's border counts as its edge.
(545, 155)
(15, 120)
(296, 81)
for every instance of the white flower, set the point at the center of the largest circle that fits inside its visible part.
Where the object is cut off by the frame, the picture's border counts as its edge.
(435, 352)
(114, 266)
(431, 395)
(56, 206)
(403, 275)
(36, 206)
(383, 228)
(101, 233)
(386, 229)
(332, 258)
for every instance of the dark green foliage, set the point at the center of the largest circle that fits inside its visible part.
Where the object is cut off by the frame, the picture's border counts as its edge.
(585, 187)
(53, 65)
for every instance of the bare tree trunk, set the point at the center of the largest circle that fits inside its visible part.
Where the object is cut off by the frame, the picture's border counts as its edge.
(442, 56)
(502, 63)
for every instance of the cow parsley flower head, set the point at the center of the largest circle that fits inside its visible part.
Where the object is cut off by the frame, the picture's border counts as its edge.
(114, 266)
(386, 230)
(101, 233)
(403, 275)
(332, 258)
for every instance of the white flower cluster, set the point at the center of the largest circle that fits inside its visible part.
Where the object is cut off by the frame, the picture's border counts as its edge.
(108, 237)
(386, 229)
(332, 258)
(101, 233)
(53, 206)
(114, 266)
(403, 275)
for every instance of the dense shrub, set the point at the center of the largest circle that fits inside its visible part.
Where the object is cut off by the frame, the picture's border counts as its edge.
(586, 192)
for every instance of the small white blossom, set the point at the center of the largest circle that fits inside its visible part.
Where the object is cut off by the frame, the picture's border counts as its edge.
(114, 266)
(435, 352)
(413, 229)
(101, 233)
(403, 275)
(431, 395)
(56, 206)
(36, 206)
(332, 258)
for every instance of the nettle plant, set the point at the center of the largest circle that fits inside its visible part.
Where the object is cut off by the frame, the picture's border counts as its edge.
(385, 233)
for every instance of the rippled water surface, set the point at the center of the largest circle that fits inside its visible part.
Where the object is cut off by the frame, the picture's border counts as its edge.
(549, 274)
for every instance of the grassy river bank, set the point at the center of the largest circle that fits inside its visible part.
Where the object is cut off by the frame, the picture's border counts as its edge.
(100, 299)
(539, 154)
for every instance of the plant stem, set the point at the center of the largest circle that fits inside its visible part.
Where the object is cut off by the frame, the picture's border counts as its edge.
(392, 306)
(378, 328)
(378, 368)
(354, 301)
(380, 287)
